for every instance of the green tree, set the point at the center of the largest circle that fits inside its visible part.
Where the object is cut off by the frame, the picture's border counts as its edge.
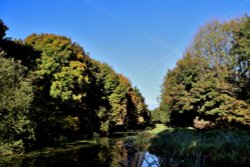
(71, 83)
(74, 95)
(217, 104)
(159, 116)
(3, 29)
(176, 95)
(106, 82)
(16, 128)
(200, 87)
(241, 55)
(121, 105)
(61, 85)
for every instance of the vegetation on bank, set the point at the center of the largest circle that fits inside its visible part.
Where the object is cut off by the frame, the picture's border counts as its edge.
(205, 100)
(52, 92)
(209, 87)
(186, 147)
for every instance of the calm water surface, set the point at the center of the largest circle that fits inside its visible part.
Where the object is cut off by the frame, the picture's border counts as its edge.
(104, 153)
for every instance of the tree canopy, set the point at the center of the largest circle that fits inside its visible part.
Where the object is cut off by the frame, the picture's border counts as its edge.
(67, 95)
(210, 84)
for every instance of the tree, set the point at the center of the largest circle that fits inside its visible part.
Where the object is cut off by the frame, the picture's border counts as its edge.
(217, 103)
(138, 114)
(16, 128)
(3, 29)
(202, 85)
(213, 43)
(176, 95)
(159, 116)
(52, 92)
(71, 83)
(241, 54)
(121, 105)
(61, 80)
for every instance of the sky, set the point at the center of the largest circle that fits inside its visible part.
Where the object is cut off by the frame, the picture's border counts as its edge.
(141, 39)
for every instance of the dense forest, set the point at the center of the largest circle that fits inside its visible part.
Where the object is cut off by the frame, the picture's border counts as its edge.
(210, 85)
(52, 92)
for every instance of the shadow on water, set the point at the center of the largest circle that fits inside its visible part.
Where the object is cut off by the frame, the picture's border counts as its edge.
(105, 152)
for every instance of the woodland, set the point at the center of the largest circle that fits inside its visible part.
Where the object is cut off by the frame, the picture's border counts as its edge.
(53, 92)
(210, 85)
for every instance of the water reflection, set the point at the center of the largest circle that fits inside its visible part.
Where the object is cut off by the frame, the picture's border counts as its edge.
(105, 153)
(150, 160)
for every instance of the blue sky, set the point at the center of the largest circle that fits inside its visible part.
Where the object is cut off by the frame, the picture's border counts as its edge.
(138, 38)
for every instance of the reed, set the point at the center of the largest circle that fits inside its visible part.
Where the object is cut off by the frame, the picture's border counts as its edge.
(192, 148)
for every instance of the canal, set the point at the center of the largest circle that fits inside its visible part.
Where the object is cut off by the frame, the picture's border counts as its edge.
(101, 152)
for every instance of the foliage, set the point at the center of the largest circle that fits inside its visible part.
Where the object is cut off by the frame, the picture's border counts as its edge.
(3, 29)
(61, 82)
(124, 105)
(159, 116)
(241, 55)
(194, 148)
(66, 81)
(16, 129)
(68, 96)
(209, 82)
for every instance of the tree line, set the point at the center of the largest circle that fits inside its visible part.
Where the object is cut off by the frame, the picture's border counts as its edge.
(210, 85)
(53, 92)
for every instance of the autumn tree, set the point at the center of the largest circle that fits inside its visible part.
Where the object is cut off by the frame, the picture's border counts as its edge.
(70, 95)
(61, 81)
(200, 86)
(138, 114)
(122, 105)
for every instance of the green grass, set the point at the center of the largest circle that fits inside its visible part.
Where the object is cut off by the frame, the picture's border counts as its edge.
(192, 148)
(158, 129)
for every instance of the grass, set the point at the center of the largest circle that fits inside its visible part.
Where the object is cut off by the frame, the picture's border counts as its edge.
(193, 148)
(158, 129)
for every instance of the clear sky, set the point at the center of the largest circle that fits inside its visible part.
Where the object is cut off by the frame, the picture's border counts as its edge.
(138, 38)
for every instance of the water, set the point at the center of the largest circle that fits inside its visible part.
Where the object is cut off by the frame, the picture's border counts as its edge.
(150, 160)
(104, 152)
